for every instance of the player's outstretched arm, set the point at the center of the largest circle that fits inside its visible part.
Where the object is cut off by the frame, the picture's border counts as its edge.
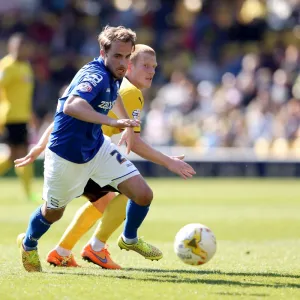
(36, 150)
(172, 163)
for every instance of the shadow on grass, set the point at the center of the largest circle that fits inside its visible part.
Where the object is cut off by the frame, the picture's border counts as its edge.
(243, 294)
(216, 272)
(172, 278)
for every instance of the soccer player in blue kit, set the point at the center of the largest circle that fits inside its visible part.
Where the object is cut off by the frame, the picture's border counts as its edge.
(78, 151)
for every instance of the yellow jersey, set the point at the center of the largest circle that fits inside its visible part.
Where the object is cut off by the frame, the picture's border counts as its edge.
(133, 101)
(16, 90)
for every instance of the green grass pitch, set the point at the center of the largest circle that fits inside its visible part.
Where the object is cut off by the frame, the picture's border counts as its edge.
(256, 223)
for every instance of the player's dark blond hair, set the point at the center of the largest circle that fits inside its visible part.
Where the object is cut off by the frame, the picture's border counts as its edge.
(139, 49)
(120, 33)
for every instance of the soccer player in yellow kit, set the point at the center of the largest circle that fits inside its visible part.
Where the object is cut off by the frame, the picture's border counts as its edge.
(103, 203)
(16, 90)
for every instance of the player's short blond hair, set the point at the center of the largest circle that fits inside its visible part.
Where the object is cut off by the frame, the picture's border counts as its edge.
(139, 49)
(110, 34)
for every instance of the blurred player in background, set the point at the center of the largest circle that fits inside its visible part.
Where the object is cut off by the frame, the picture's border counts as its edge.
(16, 91)
(139, 76)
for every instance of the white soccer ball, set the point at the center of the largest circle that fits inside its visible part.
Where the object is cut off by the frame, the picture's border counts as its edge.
(195, 244)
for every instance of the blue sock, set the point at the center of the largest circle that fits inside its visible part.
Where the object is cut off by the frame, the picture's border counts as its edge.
(37, 226)
(135, 215)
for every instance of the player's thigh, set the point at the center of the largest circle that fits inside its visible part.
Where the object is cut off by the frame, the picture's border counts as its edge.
(136, 189)
(110, 167)
(63, 180)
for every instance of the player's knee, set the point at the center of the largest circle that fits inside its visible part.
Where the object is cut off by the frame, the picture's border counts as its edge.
(53, 215)
(145, 197)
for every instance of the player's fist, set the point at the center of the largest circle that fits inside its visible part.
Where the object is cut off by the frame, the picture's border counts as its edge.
(123, 123)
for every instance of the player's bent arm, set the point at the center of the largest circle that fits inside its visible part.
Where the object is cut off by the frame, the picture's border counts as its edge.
(80, 109)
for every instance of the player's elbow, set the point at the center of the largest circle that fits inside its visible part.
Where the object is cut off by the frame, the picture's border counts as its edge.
(68, 109)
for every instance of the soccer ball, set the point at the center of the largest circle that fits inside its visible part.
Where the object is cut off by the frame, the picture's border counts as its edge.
(195, 244)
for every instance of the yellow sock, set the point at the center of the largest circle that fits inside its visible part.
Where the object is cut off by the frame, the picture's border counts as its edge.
(112, 218)
(26, 174)
(85, 217)
(5, 165)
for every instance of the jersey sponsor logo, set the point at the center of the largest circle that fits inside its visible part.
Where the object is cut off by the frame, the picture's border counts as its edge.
(108, 90)
(107, 105)
(136, 114)
(84, 87)
(94, 79)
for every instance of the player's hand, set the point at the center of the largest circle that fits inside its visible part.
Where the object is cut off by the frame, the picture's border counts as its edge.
(181, 168)
(123, 123)
(181, 157)
(127, 138)
(30, 157)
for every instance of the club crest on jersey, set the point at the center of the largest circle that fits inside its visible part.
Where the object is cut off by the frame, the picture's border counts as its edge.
(84, 87)
(136, 114)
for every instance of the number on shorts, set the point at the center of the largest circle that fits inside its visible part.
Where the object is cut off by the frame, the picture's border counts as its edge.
(119, 157)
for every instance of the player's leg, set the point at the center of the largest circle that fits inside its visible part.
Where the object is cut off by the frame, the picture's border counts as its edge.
(96, 249)
(140, 196)
(113, 216)
(60, 187)
(6, 161)
(86, 216)
(17, 140)
(6, 164)
(39, 223)
(25, 174)
(84, 219)
(125, 177)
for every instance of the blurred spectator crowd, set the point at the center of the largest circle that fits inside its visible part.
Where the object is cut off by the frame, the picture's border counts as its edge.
(228, 75)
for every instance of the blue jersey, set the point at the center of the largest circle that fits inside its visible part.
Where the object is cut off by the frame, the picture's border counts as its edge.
(75, 140)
